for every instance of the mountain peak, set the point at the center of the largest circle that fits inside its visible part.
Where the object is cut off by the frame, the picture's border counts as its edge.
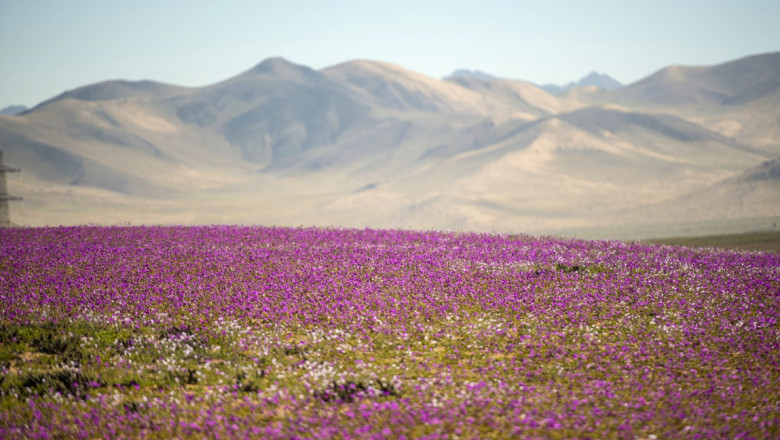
(272, 64)
(600, 80)
(13, 110)
(116, 89)
(364, 65)
(593, 79)
(281, 68)
(730, 83)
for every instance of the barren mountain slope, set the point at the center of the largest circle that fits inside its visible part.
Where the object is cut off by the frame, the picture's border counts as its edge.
(367, 143)
(731, 83)
(750, 194)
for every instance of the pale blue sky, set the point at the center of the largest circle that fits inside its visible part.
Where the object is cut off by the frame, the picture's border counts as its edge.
(49, 46)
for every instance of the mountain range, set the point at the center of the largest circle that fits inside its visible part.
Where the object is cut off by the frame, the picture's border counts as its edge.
(13, 110)
(368, 143)
(593, 79)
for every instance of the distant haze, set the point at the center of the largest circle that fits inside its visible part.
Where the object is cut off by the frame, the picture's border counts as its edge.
(684, 150)
(593, 79)
(13, 110)
(48, 46)
(476, 74)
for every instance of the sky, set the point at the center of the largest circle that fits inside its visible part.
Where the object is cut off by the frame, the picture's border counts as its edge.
(49, 46)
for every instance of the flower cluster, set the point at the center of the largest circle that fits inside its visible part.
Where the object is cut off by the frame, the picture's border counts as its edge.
(281, 333)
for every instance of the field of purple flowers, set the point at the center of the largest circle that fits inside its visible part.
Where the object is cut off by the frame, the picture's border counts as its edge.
(250, 332)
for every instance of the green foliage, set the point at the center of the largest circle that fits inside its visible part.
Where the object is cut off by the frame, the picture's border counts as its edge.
(567, 269)
(593, 269)
(47, 338)
(185, 376)
(245, 384)
(63, 381)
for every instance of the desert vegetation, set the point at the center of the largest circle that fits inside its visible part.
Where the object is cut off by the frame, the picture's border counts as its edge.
(292, 333)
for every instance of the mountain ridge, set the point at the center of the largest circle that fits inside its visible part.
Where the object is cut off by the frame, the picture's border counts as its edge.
(13, 110)
(593, 79)
(369, 143)
(474, 74)
(735, 82)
